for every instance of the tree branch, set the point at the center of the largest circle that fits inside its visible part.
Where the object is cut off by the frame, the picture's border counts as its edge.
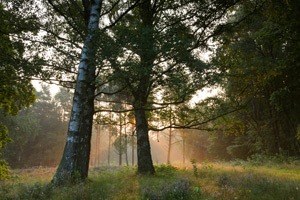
(122, 15)
(69, 22)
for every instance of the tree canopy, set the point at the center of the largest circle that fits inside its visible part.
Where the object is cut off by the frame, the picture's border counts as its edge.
(16, 71)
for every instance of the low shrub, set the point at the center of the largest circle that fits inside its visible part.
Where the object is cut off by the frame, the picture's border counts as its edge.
(4, 170)
(178, 189)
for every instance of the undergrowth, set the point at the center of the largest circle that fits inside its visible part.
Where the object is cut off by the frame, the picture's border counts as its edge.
(202, 180)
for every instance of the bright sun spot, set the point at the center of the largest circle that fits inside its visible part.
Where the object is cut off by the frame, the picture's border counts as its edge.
(205, 93)
(53, 88)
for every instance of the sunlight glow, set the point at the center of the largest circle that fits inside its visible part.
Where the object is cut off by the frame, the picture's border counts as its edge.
(205, 93)
(37, 85)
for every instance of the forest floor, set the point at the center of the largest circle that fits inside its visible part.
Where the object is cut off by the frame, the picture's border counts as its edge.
(220, 180)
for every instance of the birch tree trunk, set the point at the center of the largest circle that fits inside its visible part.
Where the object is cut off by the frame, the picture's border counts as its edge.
(75, 160)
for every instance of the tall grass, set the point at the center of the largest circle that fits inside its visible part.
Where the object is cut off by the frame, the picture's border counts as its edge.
(212, 181)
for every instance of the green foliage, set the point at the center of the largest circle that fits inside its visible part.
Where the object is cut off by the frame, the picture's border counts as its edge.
(3, 136)
(195, 168)
(165, 170)
(35, 191)
(260, 66)
(16, 67)
(265, 160)
(4, 170)
(16, 70)
(154, 55)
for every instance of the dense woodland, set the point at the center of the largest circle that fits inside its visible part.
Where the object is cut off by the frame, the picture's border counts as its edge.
(129, 72)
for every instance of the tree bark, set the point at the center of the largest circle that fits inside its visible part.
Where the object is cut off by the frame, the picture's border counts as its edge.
(170, 139)
(141, 93)
(126, 153)
(109, 141)
(169, 147)
(145, 164)
(183, 147)
(98, 145)
(75, 160)
(120, 141)
(132, 150)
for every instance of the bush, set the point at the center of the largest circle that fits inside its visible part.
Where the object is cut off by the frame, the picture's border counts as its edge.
(176, 190)
(4, 170)
(165, 170)
(261, 159)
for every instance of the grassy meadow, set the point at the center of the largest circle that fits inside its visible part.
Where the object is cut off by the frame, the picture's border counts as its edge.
(235, 180)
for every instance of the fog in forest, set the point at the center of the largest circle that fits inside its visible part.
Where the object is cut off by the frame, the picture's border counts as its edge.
(106, 151)
(39, 134)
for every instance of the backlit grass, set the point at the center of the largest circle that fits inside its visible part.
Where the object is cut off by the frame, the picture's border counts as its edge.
(200, 181)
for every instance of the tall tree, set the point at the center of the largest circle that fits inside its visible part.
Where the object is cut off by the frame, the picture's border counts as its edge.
(158, 62)
(75, 161)
(76, 155)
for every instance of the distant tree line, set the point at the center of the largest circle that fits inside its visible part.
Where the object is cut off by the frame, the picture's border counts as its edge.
(259, 63)
(38, 132)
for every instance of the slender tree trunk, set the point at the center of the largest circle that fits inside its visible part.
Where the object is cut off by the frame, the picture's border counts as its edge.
(183, 147)
(109, 143)
(126, 153)
(275, 131)
(170, 138)
(120, 141)
(95, 149)
(126, 141)
(98, 146)
(75, 160)
(132, 148)
(169, 147)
